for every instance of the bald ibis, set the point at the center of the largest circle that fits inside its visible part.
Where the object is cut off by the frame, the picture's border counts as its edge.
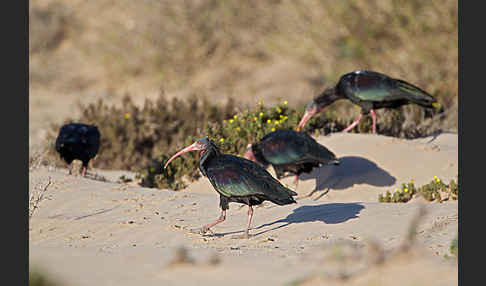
(370, 90)
(236, 179)
(78, 141)
(290, 151)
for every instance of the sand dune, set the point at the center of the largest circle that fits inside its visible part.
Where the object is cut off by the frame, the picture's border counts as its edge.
(89, 232)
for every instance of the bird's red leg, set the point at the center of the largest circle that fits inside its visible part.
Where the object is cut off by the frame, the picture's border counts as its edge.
(246, 235)
(296, 181)
(373, 116)
(351, 126)
(83, 171)
(207, 227)
(250, 216)
(69, 168)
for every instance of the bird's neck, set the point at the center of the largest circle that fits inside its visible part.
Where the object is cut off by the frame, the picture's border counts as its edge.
(257, 152)
(209, 154)
(327, 97)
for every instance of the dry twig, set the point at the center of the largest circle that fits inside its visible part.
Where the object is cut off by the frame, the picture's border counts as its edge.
(37, 196)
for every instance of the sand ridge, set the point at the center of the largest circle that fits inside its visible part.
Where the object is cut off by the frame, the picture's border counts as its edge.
(90, 232)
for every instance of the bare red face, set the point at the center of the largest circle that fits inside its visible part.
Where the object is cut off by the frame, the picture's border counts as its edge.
(249, 153)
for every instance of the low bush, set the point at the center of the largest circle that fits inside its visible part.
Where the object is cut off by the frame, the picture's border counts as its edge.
(436, 190)
(132, 135)
(141, 139)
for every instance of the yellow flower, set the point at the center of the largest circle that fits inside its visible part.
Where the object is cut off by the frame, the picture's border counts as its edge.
(281, 116)
(221, 140)
(128, 115)
(269, 121)
(255, 118)
(276, 122)
(437, 180)
(279, 110)
(261, 114)
(286, 102)
(273, 128)
(238, 129)
(236, 116)
(405, 190)
(435, 177)
(231, 121)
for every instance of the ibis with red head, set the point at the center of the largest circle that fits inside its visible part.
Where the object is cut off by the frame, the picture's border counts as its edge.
(290, 151)
(236, 179)
(370, 90)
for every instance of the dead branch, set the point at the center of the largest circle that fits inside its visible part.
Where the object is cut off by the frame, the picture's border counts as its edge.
(37, 196)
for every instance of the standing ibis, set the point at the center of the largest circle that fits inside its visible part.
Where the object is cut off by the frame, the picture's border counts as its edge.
(290, 151)
(236, 179)
(77, 141)
(370, 90)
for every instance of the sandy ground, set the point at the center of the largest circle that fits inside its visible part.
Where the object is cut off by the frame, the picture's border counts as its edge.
(89, 232)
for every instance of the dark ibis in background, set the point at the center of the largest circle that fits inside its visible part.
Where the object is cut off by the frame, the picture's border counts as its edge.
(370, 90)
(236, 179)
(290, 151)
(78, 141)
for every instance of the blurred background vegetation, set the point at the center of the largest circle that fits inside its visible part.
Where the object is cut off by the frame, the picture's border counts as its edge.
(217, 50)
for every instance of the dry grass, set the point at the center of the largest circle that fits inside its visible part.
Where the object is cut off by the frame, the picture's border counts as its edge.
(247, 50)
(38, 158)
(250, 49)
(37, 195)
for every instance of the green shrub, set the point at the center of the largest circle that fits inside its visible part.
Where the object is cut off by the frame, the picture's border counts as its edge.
(436, 190)
(232, 135)
(131, 135)
(142, 139)
(235, 133)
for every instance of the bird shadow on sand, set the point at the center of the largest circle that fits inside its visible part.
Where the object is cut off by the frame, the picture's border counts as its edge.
(328, 213)
(351, 170)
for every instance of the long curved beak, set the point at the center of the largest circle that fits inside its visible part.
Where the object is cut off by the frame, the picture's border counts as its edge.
(307, 115)
(189, 148)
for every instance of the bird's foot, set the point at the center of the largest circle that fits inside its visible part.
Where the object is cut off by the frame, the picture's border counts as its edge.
(346, 130)
(202, 231)
(245, 235)
(83, 171)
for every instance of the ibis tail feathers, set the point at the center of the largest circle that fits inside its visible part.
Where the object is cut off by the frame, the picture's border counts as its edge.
(416, 95)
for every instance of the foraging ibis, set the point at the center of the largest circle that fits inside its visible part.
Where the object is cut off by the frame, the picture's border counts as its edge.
(370, 90)
(290, 151)
(236, 179)
(78, 141)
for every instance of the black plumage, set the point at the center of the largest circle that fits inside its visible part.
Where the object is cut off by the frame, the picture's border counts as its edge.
(290, 151)
(237, 179)
(78, 141)
(370, 90)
